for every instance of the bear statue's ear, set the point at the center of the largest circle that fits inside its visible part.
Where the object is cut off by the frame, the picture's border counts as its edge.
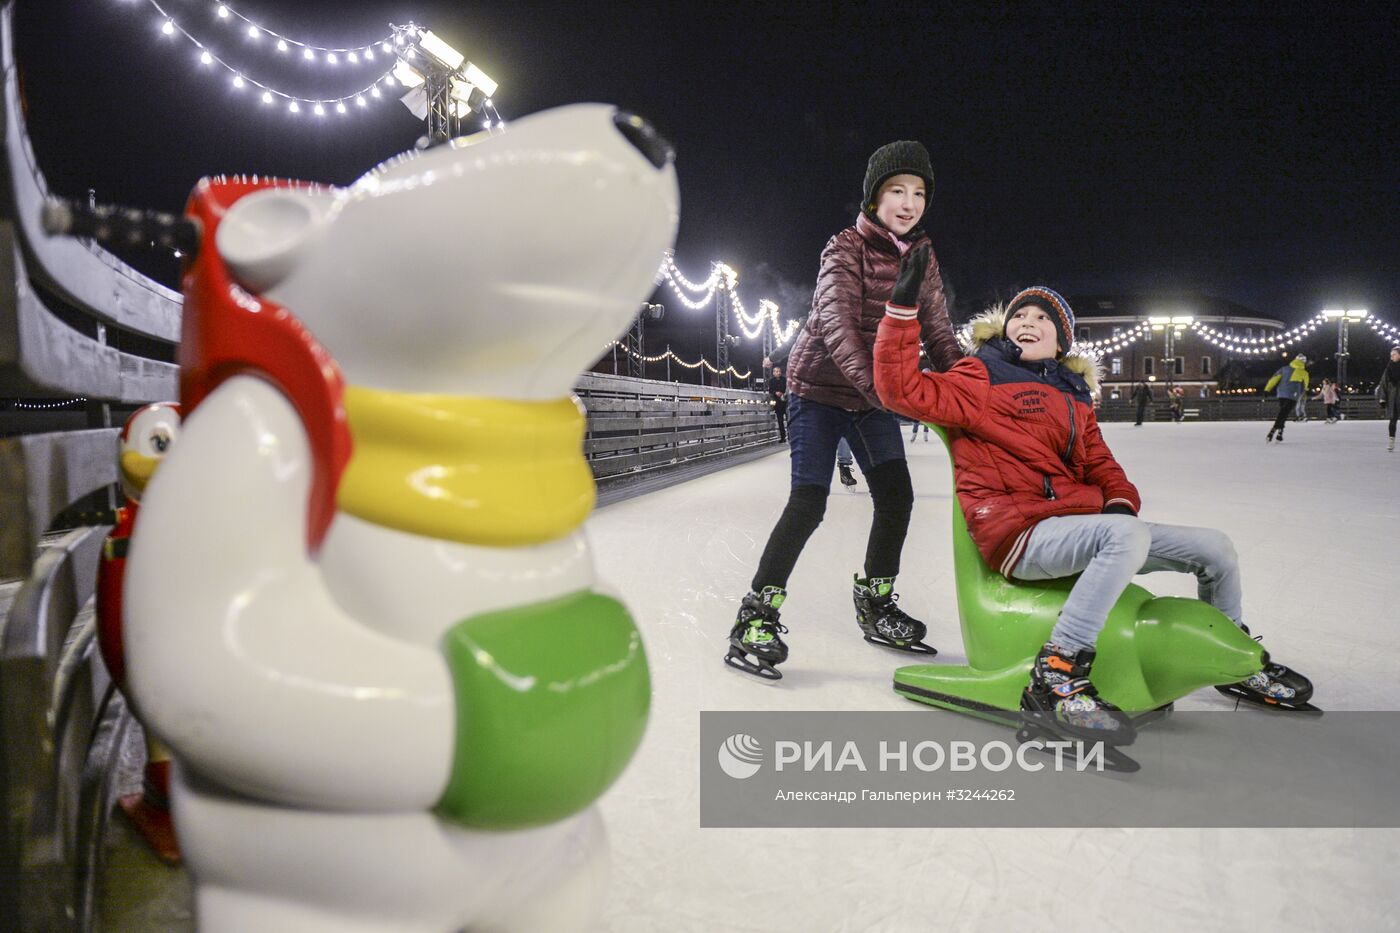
(264, 235)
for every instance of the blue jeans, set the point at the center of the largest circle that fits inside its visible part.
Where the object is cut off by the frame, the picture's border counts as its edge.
(1109, 550)
(815, 430)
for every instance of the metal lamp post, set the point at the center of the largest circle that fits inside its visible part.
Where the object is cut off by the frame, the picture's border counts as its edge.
(1343, 318)
(1172, 328)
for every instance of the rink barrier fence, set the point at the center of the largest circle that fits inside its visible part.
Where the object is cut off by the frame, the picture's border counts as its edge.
(75, 321)
(1357, 407)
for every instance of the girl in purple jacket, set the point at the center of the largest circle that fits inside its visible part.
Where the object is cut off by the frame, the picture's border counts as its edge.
(831, 397)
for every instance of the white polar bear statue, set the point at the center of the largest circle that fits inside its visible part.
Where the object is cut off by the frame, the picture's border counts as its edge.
(361, 610)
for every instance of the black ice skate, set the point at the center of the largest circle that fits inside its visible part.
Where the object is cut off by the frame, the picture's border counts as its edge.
(847, 478)
(1276, 685)
(882, 621)
(754, 643)
(1060, 699)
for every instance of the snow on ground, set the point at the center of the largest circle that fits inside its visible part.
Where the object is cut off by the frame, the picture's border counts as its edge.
(1316, 521)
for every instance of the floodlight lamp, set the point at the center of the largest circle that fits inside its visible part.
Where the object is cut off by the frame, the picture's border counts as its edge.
(1357, 314)
(1157, 321)
(1182, 319)
(1333, 313)
(407, 75)
(481, 79)
(450, 58)
(469, 95)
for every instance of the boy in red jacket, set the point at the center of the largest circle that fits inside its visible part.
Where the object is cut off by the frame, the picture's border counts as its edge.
(1044, 498)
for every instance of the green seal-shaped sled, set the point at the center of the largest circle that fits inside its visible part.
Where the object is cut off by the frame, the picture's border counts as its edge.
(1152, 651)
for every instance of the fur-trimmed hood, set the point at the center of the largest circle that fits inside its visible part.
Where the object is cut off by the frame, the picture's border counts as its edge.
(991, 325)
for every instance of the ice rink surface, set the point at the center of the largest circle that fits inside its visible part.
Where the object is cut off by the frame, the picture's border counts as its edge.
(1316, 521)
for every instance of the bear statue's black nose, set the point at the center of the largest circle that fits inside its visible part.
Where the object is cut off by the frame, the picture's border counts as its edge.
(643, 135)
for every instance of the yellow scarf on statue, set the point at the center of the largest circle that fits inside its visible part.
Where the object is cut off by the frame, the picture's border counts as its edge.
(476, 470)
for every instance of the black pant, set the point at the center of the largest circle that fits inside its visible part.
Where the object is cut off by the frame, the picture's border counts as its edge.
(1142, 410)
(892, 494)
(1285, 408)
(780, 409)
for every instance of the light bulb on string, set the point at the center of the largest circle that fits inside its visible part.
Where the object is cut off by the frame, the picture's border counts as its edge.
(168, 27)
(238, 81)
(281, 45)
(253, 32)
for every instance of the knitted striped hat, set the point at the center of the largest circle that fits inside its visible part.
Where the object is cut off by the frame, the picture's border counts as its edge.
(1054, 305)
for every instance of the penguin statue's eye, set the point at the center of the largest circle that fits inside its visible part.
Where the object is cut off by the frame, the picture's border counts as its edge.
(160, 441)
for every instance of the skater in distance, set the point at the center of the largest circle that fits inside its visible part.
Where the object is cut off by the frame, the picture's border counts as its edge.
(1292, 382)
(1388, 391)
(831, 397)
(1044, 498)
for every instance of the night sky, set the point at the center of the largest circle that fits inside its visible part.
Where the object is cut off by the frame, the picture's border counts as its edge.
(1246, 154)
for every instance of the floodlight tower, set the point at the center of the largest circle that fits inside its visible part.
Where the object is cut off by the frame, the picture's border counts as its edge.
(635, 340)
(723, 339)
(443, 87)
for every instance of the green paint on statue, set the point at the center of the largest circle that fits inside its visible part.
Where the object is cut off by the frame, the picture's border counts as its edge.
(552, 700)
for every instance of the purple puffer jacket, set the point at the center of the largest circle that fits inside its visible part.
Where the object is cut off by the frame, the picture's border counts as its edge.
(831, 362)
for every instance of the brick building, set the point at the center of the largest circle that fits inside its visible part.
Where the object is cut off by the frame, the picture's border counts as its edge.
(1163, 341)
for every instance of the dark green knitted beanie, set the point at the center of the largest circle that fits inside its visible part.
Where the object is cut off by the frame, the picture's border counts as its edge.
(905, 157)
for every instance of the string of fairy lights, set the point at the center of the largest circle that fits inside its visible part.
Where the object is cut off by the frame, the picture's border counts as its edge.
(1118, 341)
(722, 276)
(662, 357)
(1260, 346)
(1263, 345)
(1385, 329)
(47, 406)
(391, 53)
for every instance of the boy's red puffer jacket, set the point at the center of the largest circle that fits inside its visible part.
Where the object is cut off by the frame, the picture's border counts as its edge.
(831, 359)
(1025, 441)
